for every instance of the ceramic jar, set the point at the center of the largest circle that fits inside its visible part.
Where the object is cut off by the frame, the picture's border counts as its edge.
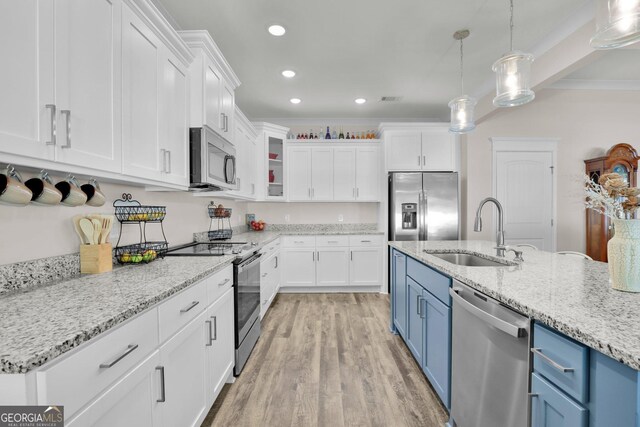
(624, 255)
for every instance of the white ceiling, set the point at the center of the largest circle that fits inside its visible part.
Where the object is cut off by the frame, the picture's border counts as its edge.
(345, 49)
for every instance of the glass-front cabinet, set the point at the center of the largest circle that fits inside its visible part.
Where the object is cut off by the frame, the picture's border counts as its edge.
(270, 161)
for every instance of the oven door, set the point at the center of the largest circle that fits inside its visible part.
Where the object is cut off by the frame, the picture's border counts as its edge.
(247, 290)
(221, 161)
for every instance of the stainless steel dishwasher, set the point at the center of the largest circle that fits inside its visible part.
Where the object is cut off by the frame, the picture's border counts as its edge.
(489, 362)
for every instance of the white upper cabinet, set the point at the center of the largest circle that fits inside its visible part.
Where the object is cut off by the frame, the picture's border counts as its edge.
(141, 73)
(420, 147)
(299, 176)
(322, 173)
(26, 43)
(344, 173)
(87, 73)
(367, 174)
(213, 85)
(174, 128)
(246, 157)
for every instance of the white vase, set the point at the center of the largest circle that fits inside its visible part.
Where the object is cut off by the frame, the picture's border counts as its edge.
(623, 251)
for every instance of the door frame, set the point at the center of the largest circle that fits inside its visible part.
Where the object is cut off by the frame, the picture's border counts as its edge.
(531, 144)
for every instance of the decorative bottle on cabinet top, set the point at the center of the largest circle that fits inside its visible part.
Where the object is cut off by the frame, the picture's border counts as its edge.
(328, 135)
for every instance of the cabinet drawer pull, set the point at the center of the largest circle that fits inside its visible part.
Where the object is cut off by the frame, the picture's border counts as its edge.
(276, 262)
(365, 241)
(418, 305)
(419, 164)
(333, 241)
(124, 354)
(424, 160)
(190, 306)
(550, 361)
(67, 114)
(215, 328)
(224, 282)
(208, 322)
(169, 161)
(53, 124)
(162, 389)
(298, 241)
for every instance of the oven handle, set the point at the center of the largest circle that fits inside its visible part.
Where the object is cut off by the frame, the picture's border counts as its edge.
(249, 262)
(231, 159)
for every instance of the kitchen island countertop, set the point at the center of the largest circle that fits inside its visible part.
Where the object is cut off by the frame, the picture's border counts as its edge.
(569, 294)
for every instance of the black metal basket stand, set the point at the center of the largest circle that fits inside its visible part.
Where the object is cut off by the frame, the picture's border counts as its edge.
(221, 217)
(129, 211)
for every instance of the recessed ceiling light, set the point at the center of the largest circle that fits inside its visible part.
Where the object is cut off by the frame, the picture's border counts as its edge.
(289, 73)
(295, 100)
(360, 100)
(277, 30)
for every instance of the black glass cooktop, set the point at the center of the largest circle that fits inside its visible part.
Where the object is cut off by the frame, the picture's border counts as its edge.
(207, 249)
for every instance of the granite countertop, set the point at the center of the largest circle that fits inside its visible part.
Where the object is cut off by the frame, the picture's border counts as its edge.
(569, 294)
(42, 322)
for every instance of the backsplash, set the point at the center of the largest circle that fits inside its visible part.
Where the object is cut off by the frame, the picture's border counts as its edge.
(37, 272)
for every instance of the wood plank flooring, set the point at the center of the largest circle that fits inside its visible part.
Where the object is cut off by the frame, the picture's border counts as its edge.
(328, 360)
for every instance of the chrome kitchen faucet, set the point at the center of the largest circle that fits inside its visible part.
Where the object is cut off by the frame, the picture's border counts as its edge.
(500, 247)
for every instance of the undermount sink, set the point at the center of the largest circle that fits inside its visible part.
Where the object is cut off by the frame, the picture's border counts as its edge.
(470, 260)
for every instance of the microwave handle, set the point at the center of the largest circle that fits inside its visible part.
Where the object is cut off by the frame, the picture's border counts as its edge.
(232, 159)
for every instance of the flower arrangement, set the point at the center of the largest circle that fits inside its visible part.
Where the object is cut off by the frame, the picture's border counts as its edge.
(611, 196)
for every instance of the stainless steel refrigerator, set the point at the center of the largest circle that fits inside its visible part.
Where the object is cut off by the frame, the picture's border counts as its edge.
(424, 206)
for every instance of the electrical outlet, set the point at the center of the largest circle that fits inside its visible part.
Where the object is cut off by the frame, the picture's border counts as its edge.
(287, 218)
(340, 218)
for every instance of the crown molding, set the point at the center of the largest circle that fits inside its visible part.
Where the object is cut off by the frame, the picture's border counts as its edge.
(388, 126)
(242, 119)
(156, 20)
(269, 127)
(201, 39)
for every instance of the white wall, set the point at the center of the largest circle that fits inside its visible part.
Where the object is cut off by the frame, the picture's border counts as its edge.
(587, 122)
(315, 213)
(34, 232)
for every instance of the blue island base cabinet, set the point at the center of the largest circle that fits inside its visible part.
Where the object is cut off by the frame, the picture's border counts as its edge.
(573, 385)
(421, 314)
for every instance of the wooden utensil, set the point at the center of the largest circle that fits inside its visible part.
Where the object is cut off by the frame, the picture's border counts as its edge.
(97, 229)
(87, 229)
(104, 233)
(76, 226)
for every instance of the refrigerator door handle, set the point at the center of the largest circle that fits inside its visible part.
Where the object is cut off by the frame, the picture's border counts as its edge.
(421, 216)
(425, 213)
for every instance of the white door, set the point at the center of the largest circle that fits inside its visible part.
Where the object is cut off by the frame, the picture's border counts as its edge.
(141, 53)
(88, 78)
(404, 151)
(219, 344)
(132, 401)
(344, 173)
(332, 267)
(299, 176)
(228, 102)
(183, 359)
(213, 97)
(321, 173)
(438, 150)
(365, 267)
(299, 267)
(174, 123)
(26, 43)
(524, 186)
(367, 178)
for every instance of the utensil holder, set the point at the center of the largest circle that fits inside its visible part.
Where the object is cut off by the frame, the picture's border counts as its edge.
(96, 258)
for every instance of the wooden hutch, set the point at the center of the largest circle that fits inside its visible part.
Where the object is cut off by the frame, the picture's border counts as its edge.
(621, 159)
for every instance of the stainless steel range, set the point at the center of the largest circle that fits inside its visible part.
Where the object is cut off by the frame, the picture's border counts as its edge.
(246, 285)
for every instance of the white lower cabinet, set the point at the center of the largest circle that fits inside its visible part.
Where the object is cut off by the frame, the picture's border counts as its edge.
(269, 280)
(183, 383)
(299, 267)
(365, 266)
(219, 344)
(332, 266)
(132, 401)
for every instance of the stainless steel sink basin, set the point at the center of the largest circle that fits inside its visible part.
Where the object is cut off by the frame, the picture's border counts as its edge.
(470, 260)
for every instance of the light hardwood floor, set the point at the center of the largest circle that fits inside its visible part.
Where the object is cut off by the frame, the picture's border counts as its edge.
(328, 360)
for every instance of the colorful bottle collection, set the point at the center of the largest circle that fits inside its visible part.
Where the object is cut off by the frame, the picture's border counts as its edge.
(322, 135)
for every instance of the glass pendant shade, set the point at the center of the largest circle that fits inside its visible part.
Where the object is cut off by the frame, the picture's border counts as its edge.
(617, 23)
(513, 79)
(462, 114)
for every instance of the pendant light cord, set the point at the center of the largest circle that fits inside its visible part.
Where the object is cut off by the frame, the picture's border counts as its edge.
(511, 27)
(461, 70)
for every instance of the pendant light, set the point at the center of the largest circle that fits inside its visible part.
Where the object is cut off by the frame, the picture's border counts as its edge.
(513, 75)
(617, 23)
(462, 107)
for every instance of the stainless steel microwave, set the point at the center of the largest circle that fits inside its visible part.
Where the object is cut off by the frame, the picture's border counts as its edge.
(212, 161)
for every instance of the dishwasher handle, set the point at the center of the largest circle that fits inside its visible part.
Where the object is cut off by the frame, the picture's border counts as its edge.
(506, 327)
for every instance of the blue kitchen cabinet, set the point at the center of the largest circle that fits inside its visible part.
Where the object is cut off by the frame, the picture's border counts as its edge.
(552, 408)
(399, 291)
(613, 391)
(415, 319)
(437, 345)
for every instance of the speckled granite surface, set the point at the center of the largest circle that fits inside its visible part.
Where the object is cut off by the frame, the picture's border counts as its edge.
(37, 272)
(300, 230)
(41, 323)
(569, 294)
